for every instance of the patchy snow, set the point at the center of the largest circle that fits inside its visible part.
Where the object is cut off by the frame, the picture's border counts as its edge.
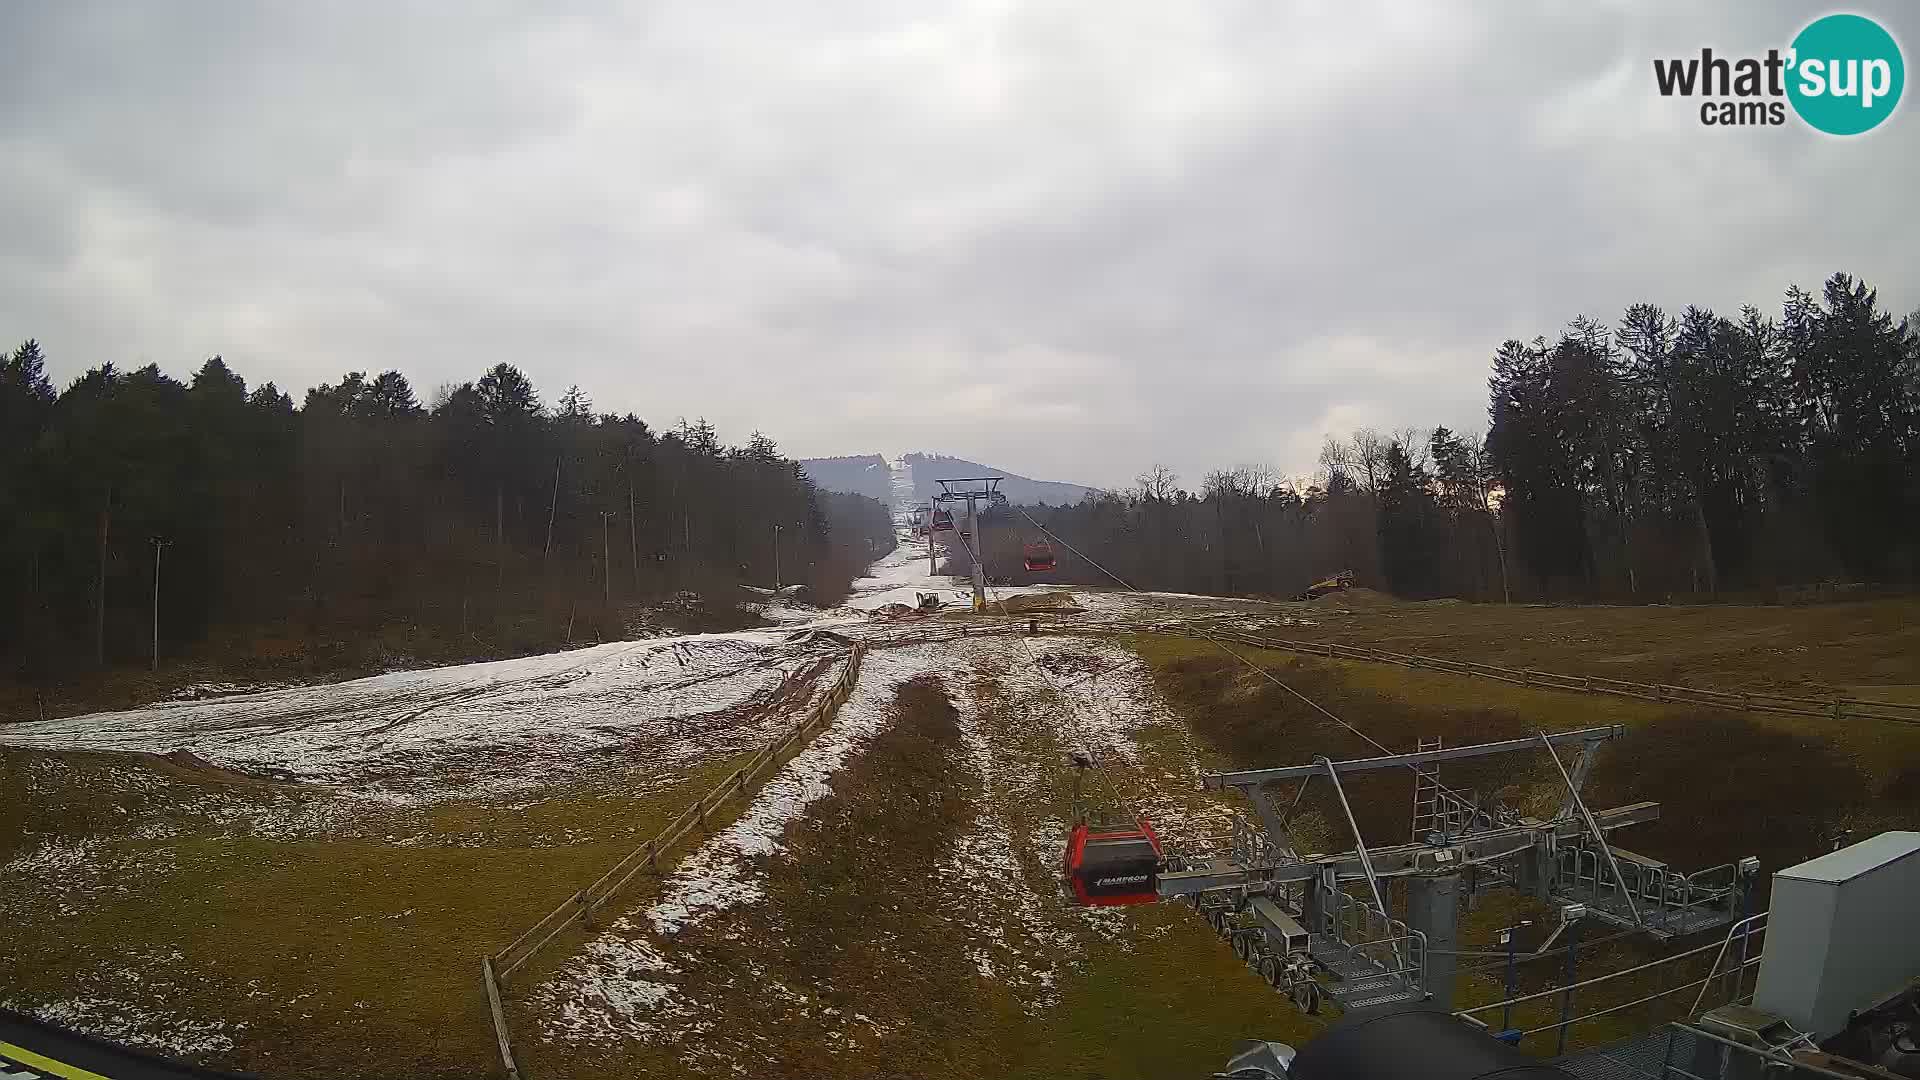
(651, 976)
(60, 857)
(135, 1025)
(718, 875)
(593, 997)
(64, 877)
(1118, 703)
(899, 575)
(1087, 671)
(475, 729)
(1013, 936)
(902, 576)
(618, 986)
(904, 570)
(792, 613)
(201, 691)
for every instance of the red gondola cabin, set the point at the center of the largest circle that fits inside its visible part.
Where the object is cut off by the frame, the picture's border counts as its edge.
(1110, 866)
(1039, 556)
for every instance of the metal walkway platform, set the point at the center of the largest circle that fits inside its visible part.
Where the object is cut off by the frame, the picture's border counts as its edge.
(1639, 1057)
(1670, 904)
(1663, 923)
(1359, 982)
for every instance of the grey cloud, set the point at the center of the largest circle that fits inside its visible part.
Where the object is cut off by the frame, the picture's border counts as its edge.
(1070, 238)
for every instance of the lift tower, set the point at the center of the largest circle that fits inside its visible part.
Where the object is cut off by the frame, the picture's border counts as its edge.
(972, 490)
(1315, 925)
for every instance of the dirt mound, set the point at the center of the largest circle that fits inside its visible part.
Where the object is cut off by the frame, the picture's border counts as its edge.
(1359, 599)
(1047, 601)
(192, 768)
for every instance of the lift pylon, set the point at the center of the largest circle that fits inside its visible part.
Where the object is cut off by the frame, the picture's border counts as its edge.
(972, 490)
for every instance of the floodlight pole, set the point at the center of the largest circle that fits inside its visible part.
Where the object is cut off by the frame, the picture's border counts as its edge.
(606, 557)
(158, 545)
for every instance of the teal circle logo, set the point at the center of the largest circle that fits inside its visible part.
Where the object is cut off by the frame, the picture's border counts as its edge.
(1846, 74)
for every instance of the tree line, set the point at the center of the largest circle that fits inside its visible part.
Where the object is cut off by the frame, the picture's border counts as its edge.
(1691, 455)
(483, 518)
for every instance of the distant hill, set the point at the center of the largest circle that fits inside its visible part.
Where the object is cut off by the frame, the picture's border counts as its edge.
(862, 474)
(870, 475)
(1020, 489)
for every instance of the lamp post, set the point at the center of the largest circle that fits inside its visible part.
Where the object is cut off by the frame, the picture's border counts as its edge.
(159, 545)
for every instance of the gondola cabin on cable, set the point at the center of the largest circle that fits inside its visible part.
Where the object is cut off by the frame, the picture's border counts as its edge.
(943, 521)
(1108, 864)
(1110, 867)
(1038, 556)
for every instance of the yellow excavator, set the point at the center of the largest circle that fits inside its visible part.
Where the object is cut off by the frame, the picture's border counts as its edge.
(1336, 583)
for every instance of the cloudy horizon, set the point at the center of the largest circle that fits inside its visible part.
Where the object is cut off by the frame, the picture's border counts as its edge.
(1070, 240)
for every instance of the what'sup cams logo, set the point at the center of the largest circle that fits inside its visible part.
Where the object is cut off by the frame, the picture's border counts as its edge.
(1843, 75)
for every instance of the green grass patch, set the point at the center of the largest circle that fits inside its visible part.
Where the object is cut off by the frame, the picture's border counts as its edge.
(1166, 999)
(331, 957)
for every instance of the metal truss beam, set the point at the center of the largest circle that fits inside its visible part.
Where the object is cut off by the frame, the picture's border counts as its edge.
(1250, 777)
(1401, 860)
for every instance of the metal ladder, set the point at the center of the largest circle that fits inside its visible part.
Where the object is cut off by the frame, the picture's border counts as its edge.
(1426, 794)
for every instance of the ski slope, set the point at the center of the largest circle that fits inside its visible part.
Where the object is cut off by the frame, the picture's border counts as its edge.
(488, 728)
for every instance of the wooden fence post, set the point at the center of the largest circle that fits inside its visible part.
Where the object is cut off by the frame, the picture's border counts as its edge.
(499, 1017)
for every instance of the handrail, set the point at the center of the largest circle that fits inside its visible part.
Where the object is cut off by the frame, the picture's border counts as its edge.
(1569, 1022)
(1724, 943)
(1573, 792)
(1585, 982)
(1366, 863)
(1700, 1033)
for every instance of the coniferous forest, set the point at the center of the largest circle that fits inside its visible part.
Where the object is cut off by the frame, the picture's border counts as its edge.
(363, 525)
(1670, 455)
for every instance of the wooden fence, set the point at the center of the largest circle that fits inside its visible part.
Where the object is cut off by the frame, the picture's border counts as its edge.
(579, 908)
(1836, 707)
(1832, 707)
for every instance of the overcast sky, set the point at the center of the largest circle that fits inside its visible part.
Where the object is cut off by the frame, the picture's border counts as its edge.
(1068, 239)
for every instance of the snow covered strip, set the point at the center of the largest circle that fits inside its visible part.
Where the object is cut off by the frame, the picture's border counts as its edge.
(582, 904)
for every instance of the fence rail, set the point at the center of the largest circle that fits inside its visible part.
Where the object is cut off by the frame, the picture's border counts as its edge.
(578, 909)
(1838, 707)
